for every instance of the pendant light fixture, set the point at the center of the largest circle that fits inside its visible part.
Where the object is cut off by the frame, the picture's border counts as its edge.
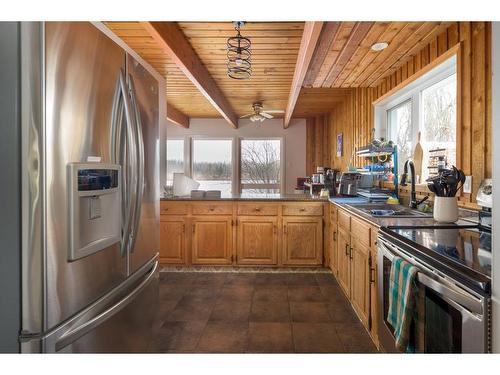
(239, 64)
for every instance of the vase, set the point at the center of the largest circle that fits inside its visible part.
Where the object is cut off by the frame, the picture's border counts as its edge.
(446, 209)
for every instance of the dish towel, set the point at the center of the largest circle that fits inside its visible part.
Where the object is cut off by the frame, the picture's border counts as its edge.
(404, 304)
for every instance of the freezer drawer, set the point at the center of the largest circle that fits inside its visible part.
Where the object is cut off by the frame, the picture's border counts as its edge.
(119, 322)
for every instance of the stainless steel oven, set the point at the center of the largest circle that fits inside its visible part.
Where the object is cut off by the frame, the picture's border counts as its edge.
(456, 318)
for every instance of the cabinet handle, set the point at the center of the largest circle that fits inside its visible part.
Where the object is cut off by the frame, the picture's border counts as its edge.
(372, 270)
(372, 275)
(257, 209)
(302, 209)
(335, 236)
(346, 249)
(211, 208)
(350, 253)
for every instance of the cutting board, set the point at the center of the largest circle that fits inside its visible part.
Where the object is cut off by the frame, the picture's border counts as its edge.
(418, 154)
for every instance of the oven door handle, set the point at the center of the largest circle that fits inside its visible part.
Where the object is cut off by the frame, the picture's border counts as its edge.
(458, 298)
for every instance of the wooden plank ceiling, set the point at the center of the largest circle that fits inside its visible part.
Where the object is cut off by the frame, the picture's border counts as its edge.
(342, 59)
(275, 47)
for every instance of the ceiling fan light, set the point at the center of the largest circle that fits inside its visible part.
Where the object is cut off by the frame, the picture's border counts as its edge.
(379, 46)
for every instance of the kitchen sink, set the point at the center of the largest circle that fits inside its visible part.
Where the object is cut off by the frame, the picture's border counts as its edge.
(389, 210)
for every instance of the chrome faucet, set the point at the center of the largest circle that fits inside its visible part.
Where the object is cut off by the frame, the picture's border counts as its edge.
(413, 195)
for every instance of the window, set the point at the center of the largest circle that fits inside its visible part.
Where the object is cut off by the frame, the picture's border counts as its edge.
(260, 165)
(212, 164)
(425, 108)
(439, 119)
(175, 158)
(401, 131)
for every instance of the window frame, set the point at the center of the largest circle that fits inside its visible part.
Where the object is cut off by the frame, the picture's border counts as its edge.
(234, 168)
(236, 185)
(281, 184)
(413, 91)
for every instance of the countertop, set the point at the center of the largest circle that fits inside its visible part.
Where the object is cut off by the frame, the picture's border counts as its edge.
(254, 197)
(345, 204)
(342, 202)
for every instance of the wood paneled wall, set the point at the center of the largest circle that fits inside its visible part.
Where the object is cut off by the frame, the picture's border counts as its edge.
(354, 117)
(318, 143)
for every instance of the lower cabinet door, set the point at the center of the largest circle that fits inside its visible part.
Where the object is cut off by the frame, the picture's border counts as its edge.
(172, 240)
(334, 262)
(373, 297)
(360, 281)
(303, 241)
(257, 240)
(212, 238)
(343, 260)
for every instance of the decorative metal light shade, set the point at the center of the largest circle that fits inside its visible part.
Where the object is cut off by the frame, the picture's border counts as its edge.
(239, 65)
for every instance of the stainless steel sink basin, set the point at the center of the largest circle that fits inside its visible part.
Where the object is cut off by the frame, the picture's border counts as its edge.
(388, 210)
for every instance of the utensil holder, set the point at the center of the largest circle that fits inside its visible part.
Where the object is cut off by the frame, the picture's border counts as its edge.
(446, 209)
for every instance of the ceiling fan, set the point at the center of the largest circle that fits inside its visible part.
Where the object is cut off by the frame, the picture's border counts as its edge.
(259, 114)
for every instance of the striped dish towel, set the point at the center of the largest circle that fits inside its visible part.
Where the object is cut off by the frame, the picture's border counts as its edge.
(403, 304)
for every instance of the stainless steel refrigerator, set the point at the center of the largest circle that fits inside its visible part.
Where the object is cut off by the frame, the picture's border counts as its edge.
(89, 221)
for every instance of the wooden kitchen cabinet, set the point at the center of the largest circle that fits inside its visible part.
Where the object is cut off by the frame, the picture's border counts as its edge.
(211, 238)
(302, 240)
(332, 245)
(374, 287)
(343, 260)
(173, 248)
(360, 280)
(257, 240)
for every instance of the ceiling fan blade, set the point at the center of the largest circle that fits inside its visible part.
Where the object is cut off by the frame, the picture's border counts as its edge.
(248, 115)
(266, 115)
(275, 111)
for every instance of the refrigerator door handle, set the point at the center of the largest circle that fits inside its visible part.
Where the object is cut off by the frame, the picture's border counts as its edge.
(140, 162)
(116, 137)
(80, 330)
(130, 173)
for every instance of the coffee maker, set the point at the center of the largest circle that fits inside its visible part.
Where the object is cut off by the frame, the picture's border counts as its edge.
(331, 181)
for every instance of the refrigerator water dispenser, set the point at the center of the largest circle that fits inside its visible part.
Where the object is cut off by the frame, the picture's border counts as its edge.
(94, 208)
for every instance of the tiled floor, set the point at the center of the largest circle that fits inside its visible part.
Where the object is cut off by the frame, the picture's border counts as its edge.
(256, 313)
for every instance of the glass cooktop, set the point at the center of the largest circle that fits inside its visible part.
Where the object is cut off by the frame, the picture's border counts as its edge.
(469, 247)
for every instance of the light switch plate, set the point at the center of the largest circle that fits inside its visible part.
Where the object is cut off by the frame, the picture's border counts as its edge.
(468, 184)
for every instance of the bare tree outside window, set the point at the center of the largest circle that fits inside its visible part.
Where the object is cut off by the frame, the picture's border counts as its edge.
(260, 165)
(439, 119)
(400, 126)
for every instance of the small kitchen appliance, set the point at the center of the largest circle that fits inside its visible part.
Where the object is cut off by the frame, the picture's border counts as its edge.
(331, 181)
(349, 183)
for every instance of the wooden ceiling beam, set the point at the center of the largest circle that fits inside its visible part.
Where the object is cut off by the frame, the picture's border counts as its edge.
(177, 117)
(310, 37)
(326, 39)
(172, 40)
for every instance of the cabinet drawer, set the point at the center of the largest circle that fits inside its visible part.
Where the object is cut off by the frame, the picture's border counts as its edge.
(299, 209)
(344, 219)
(361, 231)
(173, 208)
(256, 208)
(212, 208)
